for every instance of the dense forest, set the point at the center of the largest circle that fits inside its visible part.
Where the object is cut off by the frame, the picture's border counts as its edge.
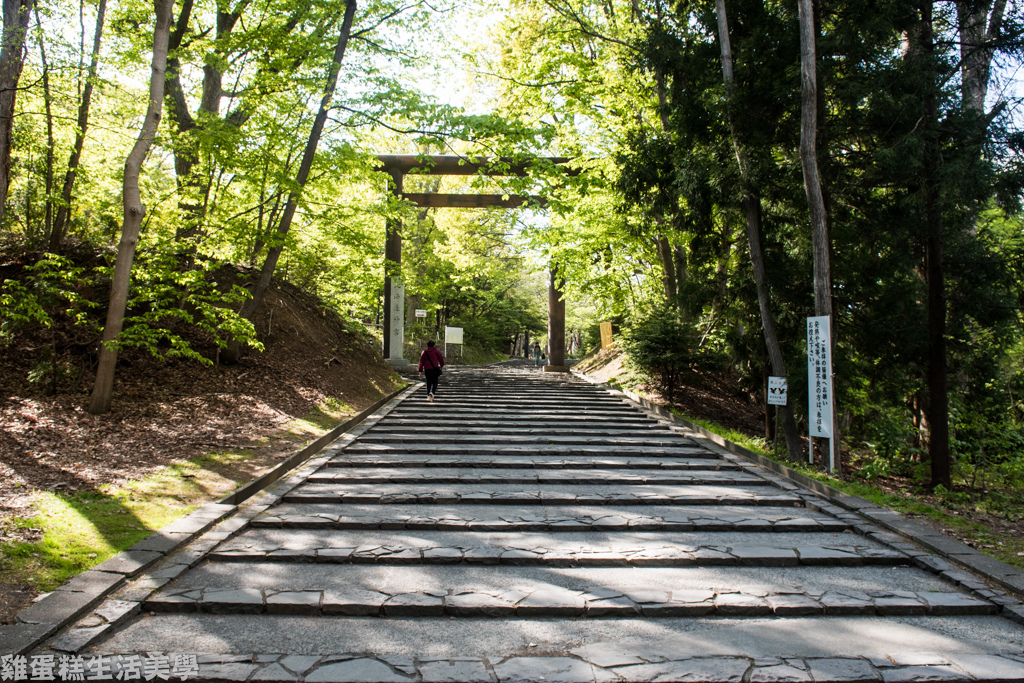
(737, 166)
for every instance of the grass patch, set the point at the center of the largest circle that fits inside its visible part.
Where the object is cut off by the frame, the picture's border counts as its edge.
(81, 529)
(324, 417)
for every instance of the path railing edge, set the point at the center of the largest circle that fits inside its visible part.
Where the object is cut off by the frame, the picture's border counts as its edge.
(83, 592)
(990, 568)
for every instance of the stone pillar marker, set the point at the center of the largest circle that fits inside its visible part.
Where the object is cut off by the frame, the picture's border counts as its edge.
(556, 325)
(394, 290)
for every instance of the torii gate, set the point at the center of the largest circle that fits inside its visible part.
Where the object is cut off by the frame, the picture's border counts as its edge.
(397, 166)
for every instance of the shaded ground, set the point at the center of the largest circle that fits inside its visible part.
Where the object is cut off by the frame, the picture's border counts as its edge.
(314, 367)
(707, 396)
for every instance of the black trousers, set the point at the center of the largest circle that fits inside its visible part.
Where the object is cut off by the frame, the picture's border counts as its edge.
(432, 375)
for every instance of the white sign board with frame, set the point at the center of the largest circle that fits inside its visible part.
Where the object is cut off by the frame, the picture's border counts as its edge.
(819, 376)
(777, 389)
(452, 335)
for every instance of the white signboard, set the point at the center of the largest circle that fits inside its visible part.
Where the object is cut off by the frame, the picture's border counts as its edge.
(819, 376)
(452, 335)
(421, 313)
(777, 388)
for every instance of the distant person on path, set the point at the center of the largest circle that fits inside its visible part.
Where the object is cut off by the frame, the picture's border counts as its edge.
(536, 353)
(431, 362)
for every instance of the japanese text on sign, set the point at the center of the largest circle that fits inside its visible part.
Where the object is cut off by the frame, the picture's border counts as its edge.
(819, 376)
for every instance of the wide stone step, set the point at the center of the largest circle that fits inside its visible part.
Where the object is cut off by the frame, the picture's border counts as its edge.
(534, 419)
(545, 437)
(462, 475)
(632, 549)
(543, 495)
(683, 450)
(441, 409)
(496, 518)
(626, 668)
(349, 459)
(594, 602)
(630, 650)
(538, 402)
(522, 429)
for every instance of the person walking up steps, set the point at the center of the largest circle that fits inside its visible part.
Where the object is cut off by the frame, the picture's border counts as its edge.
(431, 362)
(536, 353)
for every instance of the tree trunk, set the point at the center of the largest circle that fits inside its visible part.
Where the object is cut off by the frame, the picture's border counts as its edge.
(63, 217)
(665, 255)
(233, 352)
(17, 14)
(752, 207)
(812, 188)
(938, 390)
(134, 212)
(48, 106)
(979, 29)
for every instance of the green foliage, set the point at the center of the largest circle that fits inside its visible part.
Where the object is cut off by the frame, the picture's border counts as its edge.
(165, 296)
(53, 286)
(664, 348)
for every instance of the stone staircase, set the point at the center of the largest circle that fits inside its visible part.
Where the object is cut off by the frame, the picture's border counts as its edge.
(532, 527)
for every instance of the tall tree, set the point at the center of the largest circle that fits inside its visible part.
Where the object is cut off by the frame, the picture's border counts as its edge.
(17, 14)
(134, 212)
(274, 253)
(812, 186)
(63, 217)
(752, 210)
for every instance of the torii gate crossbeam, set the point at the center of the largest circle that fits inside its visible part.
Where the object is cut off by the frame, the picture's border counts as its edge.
(398, 166)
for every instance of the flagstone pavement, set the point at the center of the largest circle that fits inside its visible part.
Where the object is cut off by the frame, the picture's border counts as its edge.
(530, 526)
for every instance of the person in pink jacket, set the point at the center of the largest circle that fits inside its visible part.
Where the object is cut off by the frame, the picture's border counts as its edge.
(431, 362)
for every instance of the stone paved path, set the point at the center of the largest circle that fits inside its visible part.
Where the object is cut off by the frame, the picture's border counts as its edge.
(534, 527)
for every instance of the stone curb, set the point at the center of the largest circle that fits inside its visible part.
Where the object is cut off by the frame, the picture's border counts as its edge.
(559, 602)
(596, 663)
(85, 591)
(998, 572)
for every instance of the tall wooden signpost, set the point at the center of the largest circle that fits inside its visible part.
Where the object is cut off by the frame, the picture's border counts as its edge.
(397, 166)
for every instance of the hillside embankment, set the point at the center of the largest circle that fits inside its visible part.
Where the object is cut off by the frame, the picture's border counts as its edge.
(75, 488)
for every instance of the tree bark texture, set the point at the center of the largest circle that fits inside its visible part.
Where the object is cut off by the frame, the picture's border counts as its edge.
(938, 389)
(979, 25)
(665, 255)
(274, 253)
(812, 187)
(752, 209)
(556, 320)
(17, 14)
(809, 161)
(48, 106)
(63, 217)
(134, 212)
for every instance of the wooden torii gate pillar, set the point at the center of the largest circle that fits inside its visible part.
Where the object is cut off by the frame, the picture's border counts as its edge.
(397, 166)
(556, 324)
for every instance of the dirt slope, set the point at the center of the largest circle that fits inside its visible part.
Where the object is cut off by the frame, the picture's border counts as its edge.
(708, 396)
(165, 412)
